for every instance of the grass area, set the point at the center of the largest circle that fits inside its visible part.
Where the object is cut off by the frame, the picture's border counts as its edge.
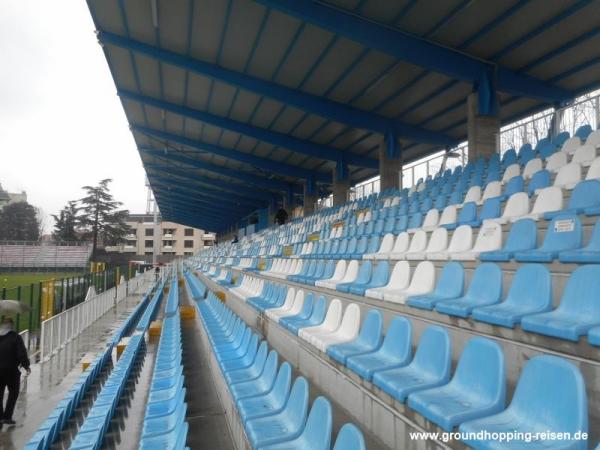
(11, 280)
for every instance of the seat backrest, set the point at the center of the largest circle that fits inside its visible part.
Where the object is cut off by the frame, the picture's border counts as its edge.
(571, 144)
(559, 403)
(364, 273)
(269, 372)
(522, 236)
(489, 237)
(593, 138)
(473, 194)
(350, 321)
(509, 156)
(334, 315)
(387, 243)
(580, 296)
(451, 280)
(467, 213)
(317, 431)
(349, 438)
(593, 172)
(423, 276)
(402, 242)
(481, 372)
(340, 269)
(568, 175)
(561, 137)
(398, 339)
(438, 241)
(539, 180)
(381, 274)
(307, 305)
(583, 131)
(431, 218)
(511, 171)
(343, 247)
(532, 167)
(433, 355)
(297, 405)
(418, 242)
(371, 329)
(361, 246)
(318, 311)
(491, 209)
(440, 202)
(515, 184)
(584, 154)
(281, 388)
(548, 199)
(486, 283)
(351, 272)
(415, 220)
(531, 286)
(517, 205)
(400, 277)
(564, 233)
(492, 189)
(449, 215)
(462, 239)
(351, 248)
(594, 242)
(585, 194)
(556, 161)
(455, 198)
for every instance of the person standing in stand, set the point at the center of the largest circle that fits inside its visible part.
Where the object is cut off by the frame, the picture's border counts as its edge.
(13, 355)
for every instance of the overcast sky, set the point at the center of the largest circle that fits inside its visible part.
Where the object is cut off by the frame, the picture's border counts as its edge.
(61, 123)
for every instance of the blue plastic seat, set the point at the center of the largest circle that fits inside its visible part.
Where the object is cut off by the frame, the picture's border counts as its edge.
(258, 386)
(284, 425)
(579, 308)
(349, 438)
(585, 199)
(539, 180)
(467, 214)
(395, 351)
(594, 336)
(317, 431)
(270, 403)
(429, 368)
(361, 248)
(368, 339)
(363, 277)
(450, 284)
(558, 404)
(235, 374)
(583, 131)
(477, 389)
(529, 293)
(491, 209)
(485, 289)
(304, 313)
(564, 233)
(521, 237)
(416, 220)
(561, 137)
(316, 318)
(401, 224)
(379, 278)
(588, 254)
(514, 185)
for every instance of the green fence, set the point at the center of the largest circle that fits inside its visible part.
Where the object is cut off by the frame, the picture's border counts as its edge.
(49, 297)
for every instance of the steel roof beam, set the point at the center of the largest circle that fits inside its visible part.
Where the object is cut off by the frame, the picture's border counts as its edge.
(200, 201)
(193, 208)
(246, 158)
(416, 50)
(339, 112)
(301, 146)
(235, 174)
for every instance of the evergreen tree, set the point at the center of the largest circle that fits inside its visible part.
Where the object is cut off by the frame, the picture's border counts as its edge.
(19, 222)
(66, 222)
(100, 216)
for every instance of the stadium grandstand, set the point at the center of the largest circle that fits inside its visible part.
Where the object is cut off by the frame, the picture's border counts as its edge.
(29, 256)
(437, 283)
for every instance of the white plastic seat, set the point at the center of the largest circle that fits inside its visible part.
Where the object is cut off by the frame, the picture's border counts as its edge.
(332, 321)
(584, 155)
(368, 216)
(473, 194)
(338, 275)
(422, 282)
(593, 139)
(534, 165)
(516, 206)
(287, 304)
(568, 176)
(400, 246)
(556, 161)
(493, 189)
(296, 307)
(514, 170)
(449, 215)
(346, 332)
(462, 241)
(488, 239)
(547, 200)
(349, 276)
(571, 145)
(385, 248)
(594, 170)
(399, 280)
(438, 242)
(418, 243)
(431, 220)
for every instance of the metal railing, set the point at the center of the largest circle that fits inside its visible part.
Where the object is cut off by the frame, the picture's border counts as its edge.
(59, 330)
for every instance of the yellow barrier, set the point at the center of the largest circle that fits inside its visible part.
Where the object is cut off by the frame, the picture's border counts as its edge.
(314, 237)
(47, 299)
(287, 250)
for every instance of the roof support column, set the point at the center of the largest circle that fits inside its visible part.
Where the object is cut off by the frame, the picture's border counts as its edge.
(341, 183)
(271, 211)
(311, 196)
(390, 163)
(483, 122)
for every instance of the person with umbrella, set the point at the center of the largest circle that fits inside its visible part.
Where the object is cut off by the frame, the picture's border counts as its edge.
(12, 355)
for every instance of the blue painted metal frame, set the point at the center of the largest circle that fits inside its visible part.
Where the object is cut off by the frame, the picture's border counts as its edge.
(416, 50)
(315, 104)
(262, 163)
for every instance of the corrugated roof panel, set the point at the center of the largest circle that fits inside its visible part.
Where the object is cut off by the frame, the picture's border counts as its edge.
(434, 104)
(122, 62)
(382, 10)
(228, 139)
(173, 82)
(172, 30)
(287, 120)
(138, 15)
(173, 121)
(108, 15)
(308, 125)
(198, 88)
(425, 14)
(220, 99)
(587, 77)
(266, 112)
(243, 106)
(210, 134)
(209, 21)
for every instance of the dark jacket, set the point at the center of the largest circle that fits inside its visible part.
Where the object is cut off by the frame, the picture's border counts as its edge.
(13, 352)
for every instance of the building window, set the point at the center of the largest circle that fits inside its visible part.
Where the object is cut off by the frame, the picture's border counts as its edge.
(188, 253)
(208, 243)
(168, 243)
(149, 231)
(148, 253)
(188, 244)
(148, 243)
(170, 231)
(189, 232)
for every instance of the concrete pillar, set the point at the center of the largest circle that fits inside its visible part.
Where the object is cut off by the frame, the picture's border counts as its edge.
(341, 184)
(483, 130)
(310, 197)
(390, 163)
